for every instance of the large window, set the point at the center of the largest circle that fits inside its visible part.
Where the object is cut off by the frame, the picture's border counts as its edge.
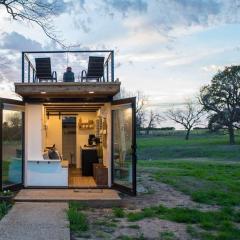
(12, 147)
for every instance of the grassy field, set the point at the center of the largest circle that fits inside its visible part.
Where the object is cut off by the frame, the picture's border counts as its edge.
(207, 169)
(200, 145)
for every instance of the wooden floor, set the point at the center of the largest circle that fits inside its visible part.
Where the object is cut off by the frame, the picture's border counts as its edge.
(76, 179)
(96, 197)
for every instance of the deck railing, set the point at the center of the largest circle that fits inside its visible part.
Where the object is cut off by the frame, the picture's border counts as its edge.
(29, 69)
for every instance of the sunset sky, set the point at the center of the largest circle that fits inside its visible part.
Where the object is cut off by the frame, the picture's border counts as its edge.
(166, 48)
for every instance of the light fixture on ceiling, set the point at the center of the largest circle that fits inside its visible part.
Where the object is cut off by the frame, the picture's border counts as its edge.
(43, 92)
(91, 92)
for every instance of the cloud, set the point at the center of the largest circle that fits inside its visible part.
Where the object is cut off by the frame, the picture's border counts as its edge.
(213, 68)
(125, 6)
(16, 41)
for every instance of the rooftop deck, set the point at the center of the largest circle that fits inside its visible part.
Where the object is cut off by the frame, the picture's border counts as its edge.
(33, 88)
(84, 90)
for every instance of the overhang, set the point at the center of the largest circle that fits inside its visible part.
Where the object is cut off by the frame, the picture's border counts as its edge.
(63, 90)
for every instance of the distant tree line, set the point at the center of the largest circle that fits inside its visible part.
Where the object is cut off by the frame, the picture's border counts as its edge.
(12, 128)
(218, 103)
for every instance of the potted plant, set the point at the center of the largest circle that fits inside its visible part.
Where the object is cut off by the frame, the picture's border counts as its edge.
(6, 195)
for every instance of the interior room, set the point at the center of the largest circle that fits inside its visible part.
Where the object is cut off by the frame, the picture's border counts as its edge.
(79, 135)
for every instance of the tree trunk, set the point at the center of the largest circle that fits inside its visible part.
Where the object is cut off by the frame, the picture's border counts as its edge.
(231, 134)
(187, 134)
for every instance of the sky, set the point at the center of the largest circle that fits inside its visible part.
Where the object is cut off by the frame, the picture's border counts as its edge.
(167, 49)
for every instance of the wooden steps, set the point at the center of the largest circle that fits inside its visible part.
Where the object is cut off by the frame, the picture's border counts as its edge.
(90, 197)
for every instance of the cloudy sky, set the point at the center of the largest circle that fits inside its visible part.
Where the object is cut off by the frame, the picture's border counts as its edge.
(166, 48)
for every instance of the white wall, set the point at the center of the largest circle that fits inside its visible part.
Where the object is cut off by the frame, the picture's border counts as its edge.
(47, 173)
(33, 131)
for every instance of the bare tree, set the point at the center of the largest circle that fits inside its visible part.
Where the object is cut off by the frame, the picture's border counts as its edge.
(39, 12)
(141, 104)
(153, 121)
(188, 116)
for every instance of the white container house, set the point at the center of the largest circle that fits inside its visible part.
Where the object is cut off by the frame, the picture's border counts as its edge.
(68, 134)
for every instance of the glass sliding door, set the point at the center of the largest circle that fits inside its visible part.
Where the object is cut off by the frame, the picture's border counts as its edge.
(12, 143)
(124, 145)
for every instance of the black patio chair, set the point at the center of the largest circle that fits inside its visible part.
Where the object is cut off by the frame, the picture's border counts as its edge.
(44, 71)
(95, 69)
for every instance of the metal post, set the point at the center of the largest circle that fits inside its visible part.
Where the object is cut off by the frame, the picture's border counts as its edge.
(23, 67)
(112, 66)
(1, 143)
(33, 75)
(29, 72)
(107, 71)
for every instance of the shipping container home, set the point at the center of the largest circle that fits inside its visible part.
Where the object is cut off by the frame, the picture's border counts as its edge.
(69, 130)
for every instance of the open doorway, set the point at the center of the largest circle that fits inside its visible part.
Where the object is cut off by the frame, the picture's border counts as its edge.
(79, 133)
(69, 139)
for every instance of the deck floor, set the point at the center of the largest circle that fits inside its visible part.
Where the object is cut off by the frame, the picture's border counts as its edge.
(32, 195)
(77, 180)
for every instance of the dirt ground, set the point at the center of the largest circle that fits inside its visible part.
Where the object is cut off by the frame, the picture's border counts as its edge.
(104, 225)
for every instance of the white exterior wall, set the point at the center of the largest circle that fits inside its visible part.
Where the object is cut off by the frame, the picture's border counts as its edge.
(39, 172)
(33, 131)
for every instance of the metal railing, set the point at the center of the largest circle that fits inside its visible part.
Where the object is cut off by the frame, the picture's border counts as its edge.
(29, 69)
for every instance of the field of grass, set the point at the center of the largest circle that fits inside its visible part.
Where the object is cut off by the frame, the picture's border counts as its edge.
(207, 169)
(200, 145)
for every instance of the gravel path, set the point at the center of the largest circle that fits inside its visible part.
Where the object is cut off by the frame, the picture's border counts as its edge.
(35, 221)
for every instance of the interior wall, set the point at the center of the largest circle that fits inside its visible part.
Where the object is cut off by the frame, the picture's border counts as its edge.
(53, 132)
(82, 135)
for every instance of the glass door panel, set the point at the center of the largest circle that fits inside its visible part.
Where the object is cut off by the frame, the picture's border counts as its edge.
(123, 145)
(12, 145)
(12, 157)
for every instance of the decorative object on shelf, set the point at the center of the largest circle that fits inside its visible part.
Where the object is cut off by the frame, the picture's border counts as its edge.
(101, 130)
(85, 125)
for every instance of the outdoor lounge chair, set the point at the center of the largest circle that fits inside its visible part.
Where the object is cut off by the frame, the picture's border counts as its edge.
(95, 69)
(43, 70)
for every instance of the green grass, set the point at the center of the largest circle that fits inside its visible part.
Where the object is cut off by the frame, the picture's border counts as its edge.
(166, 235)
(208, 182)
(207, 169)
(118, 212)
(222, 222)
(4, 208)
(200, 145)
(78, 220)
